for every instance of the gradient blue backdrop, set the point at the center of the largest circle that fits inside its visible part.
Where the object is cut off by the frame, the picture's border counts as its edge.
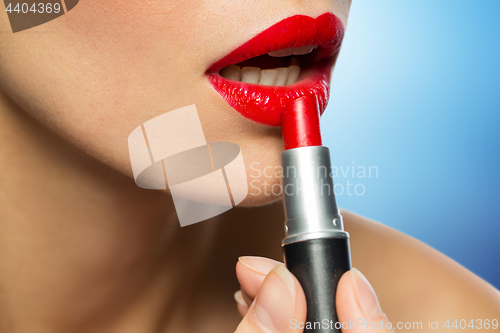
(416, 93)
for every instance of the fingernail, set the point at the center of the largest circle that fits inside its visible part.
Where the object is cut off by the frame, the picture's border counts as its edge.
(275, 302)
(365, 294)
(238, 297)
(259, 264)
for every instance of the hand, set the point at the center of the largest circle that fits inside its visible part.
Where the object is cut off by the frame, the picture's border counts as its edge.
(272, 300)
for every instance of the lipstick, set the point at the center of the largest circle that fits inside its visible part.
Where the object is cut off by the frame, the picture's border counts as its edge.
(315, 247)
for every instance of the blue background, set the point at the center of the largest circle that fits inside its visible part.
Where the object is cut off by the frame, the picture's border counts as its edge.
(416, 93)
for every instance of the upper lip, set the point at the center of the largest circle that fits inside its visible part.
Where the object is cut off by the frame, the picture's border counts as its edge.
(326, 31)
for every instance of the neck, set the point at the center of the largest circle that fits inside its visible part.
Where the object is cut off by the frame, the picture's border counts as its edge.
(81, 246)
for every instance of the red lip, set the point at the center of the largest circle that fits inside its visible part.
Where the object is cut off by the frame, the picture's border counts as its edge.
(264, 104)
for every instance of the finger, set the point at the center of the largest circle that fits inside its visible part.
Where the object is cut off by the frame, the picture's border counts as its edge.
(279, 303)
(251, 272)
(240, 302)
(358, 308)
(248, 300)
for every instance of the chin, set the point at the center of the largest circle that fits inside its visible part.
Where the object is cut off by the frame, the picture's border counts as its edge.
(262, 192)
(263, 171)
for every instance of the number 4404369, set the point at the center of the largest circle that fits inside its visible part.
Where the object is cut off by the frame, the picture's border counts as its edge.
(473, 324)
(39, 8)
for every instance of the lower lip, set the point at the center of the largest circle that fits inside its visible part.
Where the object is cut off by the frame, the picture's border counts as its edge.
(264, 104)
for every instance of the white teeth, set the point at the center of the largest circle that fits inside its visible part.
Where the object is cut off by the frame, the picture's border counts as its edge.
(231, 72)
(292, 50)
(293, 75)
(250, 74)
(282, 76)
(282, 53)
(303, 50)
(268, 77)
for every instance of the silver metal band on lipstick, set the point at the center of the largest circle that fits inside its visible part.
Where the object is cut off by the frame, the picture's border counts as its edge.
(309, 195)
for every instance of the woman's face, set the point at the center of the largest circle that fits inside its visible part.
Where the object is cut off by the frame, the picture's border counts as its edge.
(106, 67)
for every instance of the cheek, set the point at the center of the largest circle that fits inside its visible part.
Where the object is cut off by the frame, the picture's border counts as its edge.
(98, 71)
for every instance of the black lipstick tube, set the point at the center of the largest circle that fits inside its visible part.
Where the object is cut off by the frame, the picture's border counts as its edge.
(316, 247)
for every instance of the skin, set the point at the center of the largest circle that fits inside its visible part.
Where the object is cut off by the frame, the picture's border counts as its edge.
(85, 250)
(122, 63)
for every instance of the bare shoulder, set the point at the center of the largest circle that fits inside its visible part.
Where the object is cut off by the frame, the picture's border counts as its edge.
(414, 282)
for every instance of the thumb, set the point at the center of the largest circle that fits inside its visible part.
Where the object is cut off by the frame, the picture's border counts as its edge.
(279, 305)
(358, 308)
